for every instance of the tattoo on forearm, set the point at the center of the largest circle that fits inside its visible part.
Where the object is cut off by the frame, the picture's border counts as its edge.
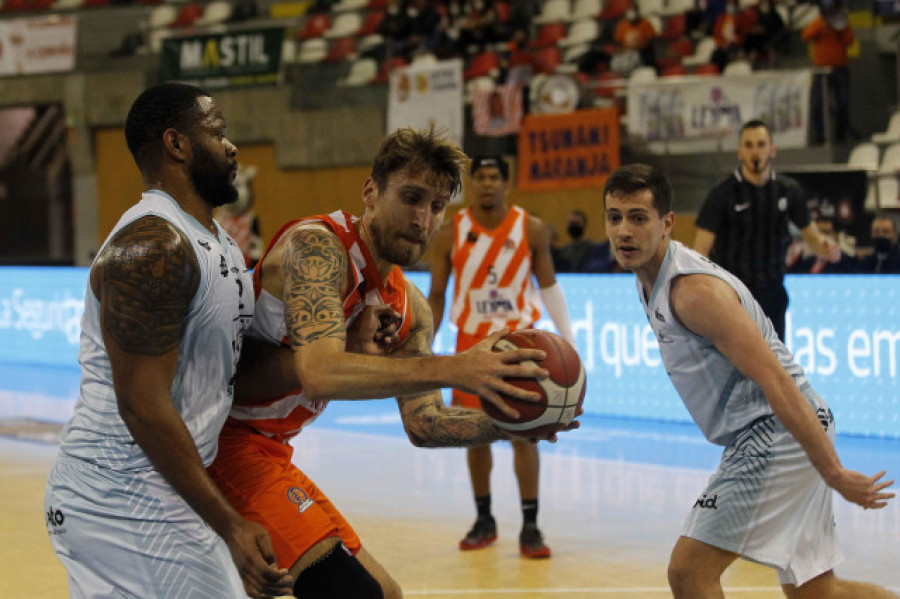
(315, 265)
(149, 277)
(431, 424)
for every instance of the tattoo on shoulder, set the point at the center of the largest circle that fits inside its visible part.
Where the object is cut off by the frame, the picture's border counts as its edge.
(315, 268)
(149, 275)
(421, 335)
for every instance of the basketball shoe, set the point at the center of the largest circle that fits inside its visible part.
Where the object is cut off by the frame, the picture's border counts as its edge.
(482, 534)
(531, 543)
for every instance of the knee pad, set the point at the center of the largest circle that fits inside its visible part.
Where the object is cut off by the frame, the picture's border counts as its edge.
(337, 575)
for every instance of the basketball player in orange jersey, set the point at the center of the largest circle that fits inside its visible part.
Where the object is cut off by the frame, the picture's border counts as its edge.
(315, 280)
(494, 249)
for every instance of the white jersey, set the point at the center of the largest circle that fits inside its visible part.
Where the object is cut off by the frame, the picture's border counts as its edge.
(202, 390)
(721, 400)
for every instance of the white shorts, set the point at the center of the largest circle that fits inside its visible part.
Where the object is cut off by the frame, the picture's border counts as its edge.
(769, 504)
(130, 535)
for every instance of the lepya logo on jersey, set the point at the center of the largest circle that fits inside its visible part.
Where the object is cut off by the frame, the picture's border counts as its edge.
(493, 302)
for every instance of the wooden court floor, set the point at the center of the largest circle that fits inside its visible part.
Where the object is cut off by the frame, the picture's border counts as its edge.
(610, 522)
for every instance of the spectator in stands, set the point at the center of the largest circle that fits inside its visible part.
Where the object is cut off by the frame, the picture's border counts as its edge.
(244, 10)
(812, 264)
(697, 23)
(730, 31)
(424, 25)
(743, 224)
(829, 36)
(767, 34)
(633, 36)
(582, 254)
(885, 259)
(395, 27)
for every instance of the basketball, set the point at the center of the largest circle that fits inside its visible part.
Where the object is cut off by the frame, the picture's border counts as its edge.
(562, 392)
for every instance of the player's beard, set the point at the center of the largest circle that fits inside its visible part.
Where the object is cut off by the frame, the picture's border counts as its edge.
(212, 179)
(394, 253)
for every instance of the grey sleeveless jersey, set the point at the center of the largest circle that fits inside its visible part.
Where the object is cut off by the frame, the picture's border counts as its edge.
(720, 399)
(213, 331)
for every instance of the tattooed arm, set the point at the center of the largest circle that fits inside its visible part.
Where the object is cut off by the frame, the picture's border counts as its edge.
(315, 280)
(426, 418)
(145, 279)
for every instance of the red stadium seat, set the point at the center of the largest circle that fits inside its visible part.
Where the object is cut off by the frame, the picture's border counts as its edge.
(482, 65)
(341, 49)
(371, 23)
(706, 69)
(187, 15)
(614, 9)
(547, 59)
(549, 34)
(384, 71)
(674, 27)
(674, 71)
(314, 26)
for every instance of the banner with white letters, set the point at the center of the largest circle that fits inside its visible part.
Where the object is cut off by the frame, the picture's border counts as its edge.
(681, 115)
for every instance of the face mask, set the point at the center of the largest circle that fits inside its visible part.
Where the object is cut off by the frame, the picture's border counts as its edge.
(575, 230)
(882, 245)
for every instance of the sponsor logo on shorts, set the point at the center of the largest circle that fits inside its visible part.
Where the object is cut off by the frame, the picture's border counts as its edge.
(708, 503)
(55, 519)
(825, 417)
(299, 496)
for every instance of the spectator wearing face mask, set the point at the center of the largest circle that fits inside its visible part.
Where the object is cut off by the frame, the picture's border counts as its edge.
(582, 254)
(767, 33)
(829, 36)
(885, 259)
(730, 31)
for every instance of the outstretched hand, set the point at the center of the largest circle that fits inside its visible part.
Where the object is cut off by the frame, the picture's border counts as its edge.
(569, 427)
(864, 490)
(482, 371)
(251, 550)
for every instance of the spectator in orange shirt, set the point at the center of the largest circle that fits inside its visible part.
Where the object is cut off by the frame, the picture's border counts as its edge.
(633, 37)
(829, 36)
(730, 30)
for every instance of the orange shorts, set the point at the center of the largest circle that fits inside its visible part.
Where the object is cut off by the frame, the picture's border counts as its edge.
(255, 473)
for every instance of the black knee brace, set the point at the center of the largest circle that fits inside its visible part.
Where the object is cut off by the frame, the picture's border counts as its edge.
(337, 575)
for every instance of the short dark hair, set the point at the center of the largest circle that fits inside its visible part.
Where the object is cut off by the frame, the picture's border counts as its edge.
(421, 151)
(631, 178)
(580, 214)
(756, 124)
(161, 107)
(491, 161)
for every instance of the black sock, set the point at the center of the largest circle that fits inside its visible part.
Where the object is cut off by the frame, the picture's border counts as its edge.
(529, 511)
(483, 505)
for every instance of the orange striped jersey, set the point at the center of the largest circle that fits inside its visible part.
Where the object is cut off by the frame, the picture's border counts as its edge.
(282, 418)
(493, 285)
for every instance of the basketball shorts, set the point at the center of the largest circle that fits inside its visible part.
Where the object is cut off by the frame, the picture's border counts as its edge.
(129, 535)
(258, 478)
(769, 504)
(461, 398)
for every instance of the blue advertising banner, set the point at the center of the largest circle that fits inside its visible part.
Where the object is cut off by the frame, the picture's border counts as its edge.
(843, 329)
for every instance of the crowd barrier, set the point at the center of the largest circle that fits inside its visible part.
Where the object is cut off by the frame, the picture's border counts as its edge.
(843, 329)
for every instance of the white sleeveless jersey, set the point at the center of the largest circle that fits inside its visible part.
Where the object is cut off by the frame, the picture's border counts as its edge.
(202, 390)
(722, 401)
(493, 286)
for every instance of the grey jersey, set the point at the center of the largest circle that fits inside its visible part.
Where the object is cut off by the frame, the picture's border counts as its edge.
(722, 401)
(202, 390)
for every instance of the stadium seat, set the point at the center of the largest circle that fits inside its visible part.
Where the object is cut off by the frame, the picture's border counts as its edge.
(312, 50)
(702, 53)
(614, 9)
(384, 71)
(581, 32)
(218, 11)
(288, 50)
(315, 26)
(549, 34)
(187, 16)
(344, 24)
(892, 133)
(651, 7)
(642, 75)
(342, 48)
(677, 7)
(706, 68)
(361, 72)
(479, 84)
(865, 155)
(483, 64)
(546, 60)
(161, 16)
(348, 5)
(673, 27)
(739, 67)
(586, 9)
(554, 11)
(370, 23)
(674, 70)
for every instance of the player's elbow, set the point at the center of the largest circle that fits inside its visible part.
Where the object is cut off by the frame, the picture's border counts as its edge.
(419, 437)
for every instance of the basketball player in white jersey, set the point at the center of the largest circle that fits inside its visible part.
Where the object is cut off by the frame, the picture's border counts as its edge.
(130, 508)
(771, 499)
(494, 250)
